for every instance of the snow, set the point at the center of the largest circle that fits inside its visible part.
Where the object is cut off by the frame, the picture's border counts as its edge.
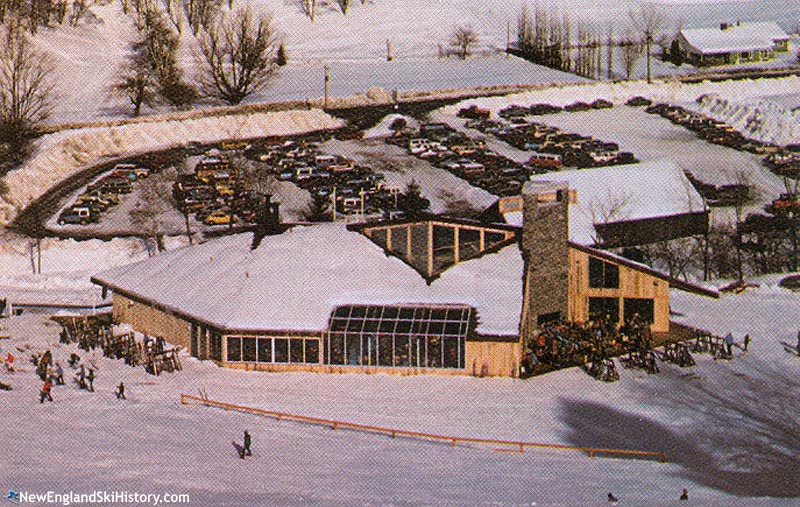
(735, 38)
(727, 427)
(625, 192)
(294, 280)
(58, 156)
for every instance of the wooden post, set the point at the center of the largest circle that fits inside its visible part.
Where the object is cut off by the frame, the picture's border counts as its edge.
(327, 79)
(389, 56)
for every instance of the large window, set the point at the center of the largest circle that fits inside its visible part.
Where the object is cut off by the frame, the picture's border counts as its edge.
(399, 336)
(603, 275)
(272, 350)
(606, 309)
(639, 308)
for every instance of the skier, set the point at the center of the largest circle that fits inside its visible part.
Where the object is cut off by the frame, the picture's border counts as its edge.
(58, 371)
(82, 377)
(729, 343)
(612, 500)
(685, 494)
(90, 378)
(74, 359)
(798, 343)
(10, 362)
(121, 391)
(46, 391)
(246, 446)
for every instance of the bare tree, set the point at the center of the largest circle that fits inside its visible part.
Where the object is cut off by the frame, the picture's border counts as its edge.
(236, 55)
(648, 22)
(135, 80)
(462, 38)
(147, 214)
(161, 49)
(631, 51)
(26, 89)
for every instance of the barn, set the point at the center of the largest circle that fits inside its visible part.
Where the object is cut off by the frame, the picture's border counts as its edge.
(432, 295)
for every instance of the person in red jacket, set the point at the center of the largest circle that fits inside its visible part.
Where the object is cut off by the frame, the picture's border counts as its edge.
(46, 391)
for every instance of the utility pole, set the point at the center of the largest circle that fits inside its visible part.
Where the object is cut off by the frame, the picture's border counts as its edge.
(648, 42)
(389, 56)
(333, 203)
(327, 79)
(508, 38)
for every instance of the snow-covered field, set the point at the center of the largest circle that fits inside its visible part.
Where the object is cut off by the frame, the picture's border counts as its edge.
(354, 46)
(729, 428)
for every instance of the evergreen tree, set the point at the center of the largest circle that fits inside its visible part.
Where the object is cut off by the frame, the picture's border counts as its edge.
(412, 203)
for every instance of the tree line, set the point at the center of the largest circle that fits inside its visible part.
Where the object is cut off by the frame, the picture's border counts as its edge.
(552, 39)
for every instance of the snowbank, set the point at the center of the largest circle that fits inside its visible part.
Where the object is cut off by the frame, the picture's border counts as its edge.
(61, 155)
(734, 101)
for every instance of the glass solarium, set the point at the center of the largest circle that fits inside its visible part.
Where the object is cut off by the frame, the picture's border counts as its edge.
(399, 336)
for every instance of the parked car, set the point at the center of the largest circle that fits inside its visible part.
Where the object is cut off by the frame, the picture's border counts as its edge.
(220, 217)
(78, 215)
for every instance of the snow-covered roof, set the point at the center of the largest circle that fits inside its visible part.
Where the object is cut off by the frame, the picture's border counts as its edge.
(625, 192)
(736, 37)
(294, 280)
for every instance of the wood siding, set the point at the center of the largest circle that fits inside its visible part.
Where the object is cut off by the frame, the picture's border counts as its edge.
(501, 359)
(151, 321)
(632, 284)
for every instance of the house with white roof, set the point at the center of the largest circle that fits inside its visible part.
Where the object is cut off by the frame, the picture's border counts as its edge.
(625, 205)
(733, 43)
(431, 295)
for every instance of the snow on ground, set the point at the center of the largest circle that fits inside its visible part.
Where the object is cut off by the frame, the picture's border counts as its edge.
(438, 185)
(87, 56)
(71, 151)
(727, 426)
(65, 268)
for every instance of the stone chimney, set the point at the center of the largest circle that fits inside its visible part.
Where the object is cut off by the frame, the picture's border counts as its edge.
(545, 236)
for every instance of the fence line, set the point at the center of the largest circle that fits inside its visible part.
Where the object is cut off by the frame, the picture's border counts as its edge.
(509, 445)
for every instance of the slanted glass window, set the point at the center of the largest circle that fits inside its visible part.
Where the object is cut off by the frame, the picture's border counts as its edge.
(603, 275)
(399, 336)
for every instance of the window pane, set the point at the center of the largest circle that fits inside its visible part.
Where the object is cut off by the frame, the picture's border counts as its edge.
(611, 278)
(335, 349)
(353, 343)
(595, 273)
(401, 351)
(451, 353)
(265, 350)
(386, 350)
(281, 350)
(387, 325)
(434, 352)
(312, 351)
(436, 328)
(296, 350)
(249, 349)
(234, 348)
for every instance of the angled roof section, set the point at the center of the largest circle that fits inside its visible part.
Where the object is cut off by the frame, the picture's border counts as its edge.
(624, 193)
(294, 280)
(433, 245)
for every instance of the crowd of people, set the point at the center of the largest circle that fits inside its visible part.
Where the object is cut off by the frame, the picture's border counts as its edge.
(590, 344)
